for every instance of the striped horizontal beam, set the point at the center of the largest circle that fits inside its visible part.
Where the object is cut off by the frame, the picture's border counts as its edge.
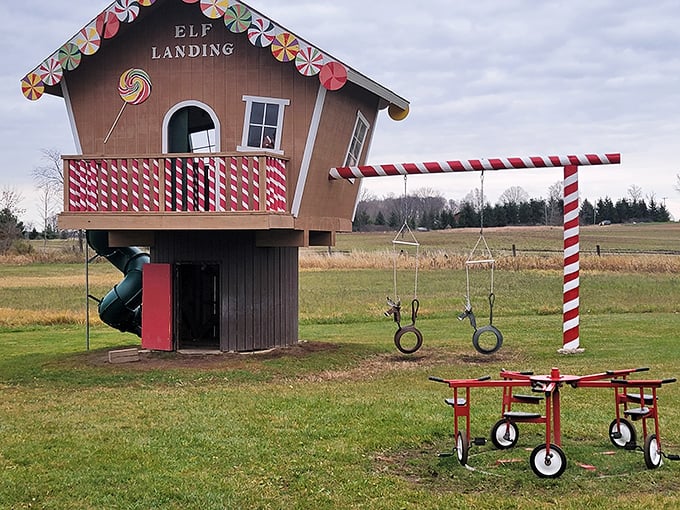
(353, 172)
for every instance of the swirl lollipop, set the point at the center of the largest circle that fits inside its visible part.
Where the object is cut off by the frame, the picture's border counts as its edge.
(134, 88)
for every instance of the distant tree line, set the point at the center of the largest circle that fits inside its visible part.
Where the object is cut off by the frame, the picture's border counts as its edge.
(426, 208)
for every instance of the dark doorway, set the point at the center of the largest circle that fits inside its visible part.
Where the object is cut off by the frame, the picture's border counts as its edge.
(191, 129)
(197, 299)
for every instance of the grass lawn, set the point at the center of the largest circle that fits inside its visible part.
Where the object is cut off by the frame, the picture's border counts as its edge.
(342, 420)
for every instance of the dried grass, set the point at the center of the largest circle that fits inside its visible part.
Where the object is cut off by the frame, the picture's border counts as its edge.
(441, 259)
(10, 317)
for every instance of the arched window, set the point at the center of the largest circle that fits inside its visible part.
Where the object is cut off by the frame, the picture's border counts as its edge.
(191, 126)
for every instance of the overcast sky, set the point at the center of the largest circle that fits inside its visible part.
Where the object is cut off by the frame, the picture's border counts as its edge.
(485, 78)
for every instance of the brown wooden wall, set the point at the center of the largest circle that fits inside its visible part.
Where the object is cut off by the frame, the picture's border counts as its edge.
(259, 286)
(220, 82)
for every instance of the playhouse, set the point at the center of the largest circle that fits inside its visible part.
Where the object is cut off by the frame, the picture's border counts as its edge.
(206, 131)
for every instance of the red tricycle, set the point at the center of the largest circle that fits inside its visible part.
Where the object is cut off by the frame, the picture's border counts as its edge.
(548, 460)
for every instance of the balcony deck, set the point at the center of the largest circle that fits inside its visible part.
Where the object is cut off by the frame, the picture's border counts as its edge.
(225, 191)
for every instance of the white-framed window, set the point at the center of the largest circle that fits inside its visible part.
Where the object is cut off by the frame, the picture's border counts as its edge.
(356, 143)
(263, 123)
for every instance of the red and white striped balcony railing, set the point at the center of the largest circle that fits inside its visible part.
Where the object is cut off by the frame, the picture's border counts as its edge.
(174, 183)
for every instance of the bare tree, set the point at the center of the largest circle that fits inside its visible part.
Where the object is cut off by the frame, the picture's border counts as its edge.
(555, 197)
(10, 199)
(10, 210)
(47, 195)
(635, 193)
(52, 171)
(677, 183)
(514, 195)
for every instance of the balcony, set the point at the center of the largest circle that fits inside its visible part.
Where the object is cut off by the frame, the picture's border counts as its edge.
(225, 191)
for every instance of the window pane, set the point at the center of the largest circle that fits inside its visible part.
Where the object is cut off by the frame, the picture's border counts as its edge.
(361, 131)
(257, 113)
(269, 138)
(254, 136)
(272, 117)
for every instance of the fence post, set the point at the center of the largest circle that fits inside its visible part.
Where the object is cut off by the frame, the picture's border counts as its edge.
(514, 251)
(597, 249)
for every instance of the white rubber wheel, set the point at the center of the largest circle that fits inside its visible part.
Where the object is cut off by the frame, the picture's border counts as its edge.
(652, 452)
(504, 434)
(462, 447)
(621, 433)
(548, 465)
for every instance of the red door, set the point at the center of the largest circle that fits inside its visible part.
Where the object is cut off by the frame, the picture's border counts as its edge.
(157, 307)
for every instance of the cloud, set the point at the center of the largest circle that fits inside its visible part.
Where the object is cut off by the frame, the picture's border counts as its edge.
(485, 78)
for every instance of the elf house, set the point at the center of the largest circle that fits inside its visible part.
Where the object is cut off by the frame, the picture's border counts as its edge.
(206, 131)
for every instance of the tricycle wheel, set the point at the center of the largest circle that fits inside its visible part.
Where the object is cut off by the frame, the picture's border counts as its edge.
(504, 434)
(621, 433)
(409, 348)
(548, 465)
(652, 452)
(462, 447)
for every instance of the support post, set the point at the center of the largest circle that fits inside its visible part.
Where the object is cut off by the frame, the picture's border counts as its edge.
(570, 309)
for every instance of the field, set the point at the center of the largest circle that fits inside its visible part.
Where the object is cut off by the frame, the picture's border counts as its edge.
(343, 420)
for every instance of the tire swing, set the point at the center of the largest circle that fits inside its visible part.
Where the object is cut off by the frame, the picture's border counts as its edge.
(484, 258)
(395, 304)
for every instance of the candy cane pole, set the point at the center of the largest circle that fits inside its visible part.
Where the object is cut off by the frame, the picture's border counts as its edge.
(471, 165)
(570, 295)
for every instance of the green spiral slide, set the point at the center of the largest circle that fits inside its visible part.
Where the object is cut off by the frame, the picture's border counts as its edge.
(121, 308)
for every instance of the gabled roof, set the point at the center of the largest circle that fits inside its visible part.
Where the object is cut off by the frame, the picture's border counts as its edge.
(238, 17)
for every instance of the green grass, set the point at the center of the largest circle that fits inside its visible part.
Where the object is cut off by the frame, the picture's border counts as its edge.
(341, 421)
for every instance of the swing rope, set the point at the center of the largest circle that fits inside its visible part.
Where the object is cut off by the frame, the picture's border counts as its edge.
(468, 313)
(487, 258)
(413, 242)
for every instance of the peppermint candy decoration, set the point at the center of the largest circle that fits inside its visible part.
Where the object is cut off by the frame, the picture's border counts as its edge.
(285, 47)
(309, 61)
(333, 76)
(214, 9)
(32, 86)
(261, 32)
(88, 39)
(69, 56)
(50, 71)
(107, 24)
(126, 10)
(238, 18)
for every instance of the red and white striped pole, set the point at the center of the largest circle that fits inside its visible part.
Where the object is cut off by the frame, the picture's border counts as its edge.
(471, 165)
(570, 309)
(570, 294)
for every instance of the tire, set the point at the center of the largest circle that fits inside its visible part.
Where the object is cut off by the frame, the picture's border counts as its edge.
(408, 349)
(545, 466)
(487, 329)
(504, 434)
(622, 433)
(462, 447)
(652, 451)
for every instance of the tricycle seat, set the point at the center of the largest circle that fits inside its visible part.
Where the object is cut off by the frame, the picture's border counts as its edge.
(528, 399)
(647, 399)
(459, 402)
(637, 413)
(520, 415)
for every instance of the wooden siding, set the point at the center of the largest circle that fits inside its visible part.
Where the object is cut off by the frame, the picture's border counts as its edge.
(331, 199)
(259, 286)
